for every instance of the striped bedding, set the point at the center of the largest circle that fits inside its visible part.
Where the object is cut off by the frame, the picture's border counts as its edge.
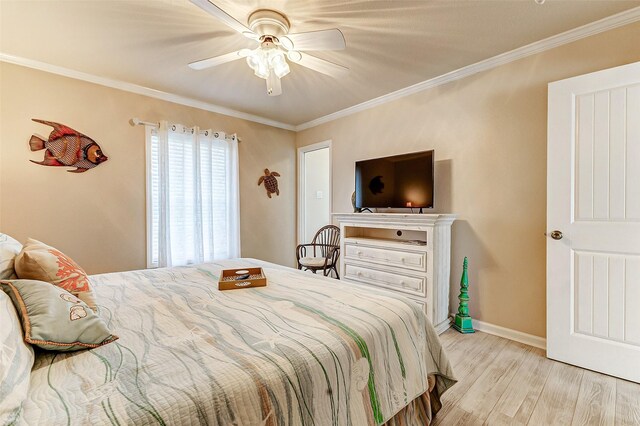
(305, 350)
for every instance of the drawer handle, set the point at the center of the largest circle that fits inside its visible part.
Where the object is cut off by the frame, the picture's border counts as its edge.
(359, 253)
(359, 273)
(403, 260)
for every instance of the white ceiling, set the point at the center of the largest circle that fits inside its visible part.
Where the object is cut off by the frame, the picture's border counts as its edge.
(390, 44)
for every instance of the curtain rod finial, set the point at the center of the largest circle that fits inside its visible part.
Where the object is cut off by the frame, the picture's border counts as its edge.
(134, 121)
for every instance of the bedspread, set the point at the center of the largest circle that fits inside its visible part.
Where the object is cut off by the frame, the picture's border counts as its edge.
(305, 350)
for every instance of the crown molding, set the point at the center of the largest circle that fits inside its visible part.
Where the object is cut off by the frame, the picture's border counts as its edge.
(593, 28)
(141, 90)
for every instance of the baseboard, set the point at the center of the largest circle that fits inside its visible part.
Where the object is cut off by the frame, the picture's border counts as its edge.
(507, 333)
(443, 326)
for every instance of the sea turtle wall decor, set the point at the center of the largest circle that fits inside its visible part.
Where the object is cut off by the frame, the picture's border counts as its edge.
(270, 182)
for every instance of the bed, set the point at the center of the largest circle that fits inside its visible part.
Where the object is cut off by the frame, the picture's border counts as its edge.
(305, 350)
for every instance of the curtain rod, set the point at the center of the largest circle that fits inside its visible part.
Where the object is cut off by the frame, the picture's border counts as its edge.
(137, 122)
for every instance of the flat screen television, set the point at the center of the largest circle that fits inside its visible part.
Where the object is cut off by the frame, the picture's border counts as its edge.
(400, 181)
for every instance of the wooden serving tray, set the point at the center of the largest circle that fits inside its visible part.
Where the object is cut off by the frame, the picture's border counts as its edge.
(228, 281)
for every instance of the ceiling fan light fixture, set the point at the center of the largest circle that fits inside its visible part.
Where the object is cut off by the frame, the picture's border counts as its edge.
(262, 71)
(278, 63)
(281, 70)
(257, 61)
(265, 62)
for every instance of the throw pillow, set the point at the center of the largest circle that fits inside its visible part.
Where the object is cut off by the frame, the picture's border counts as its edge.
(54, 319)
(9, 249)
(38, 261)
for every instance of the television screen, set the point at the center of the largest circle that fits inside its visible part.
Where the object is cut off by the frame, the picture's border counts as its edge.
(399, 181)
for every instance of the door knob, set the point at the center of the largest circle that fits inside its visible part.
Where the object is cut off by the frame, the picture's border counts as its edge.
(556, 235)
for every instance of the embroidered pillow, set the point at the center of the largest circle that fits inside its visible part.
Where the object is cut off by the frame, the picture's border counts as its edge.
(38, 261)
(54, 319)
(16, 361)
(9, 249)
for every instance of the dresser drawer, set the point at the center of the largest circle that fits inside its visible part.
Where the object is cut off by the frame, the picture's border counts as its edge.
(404, 259)
(404, 283)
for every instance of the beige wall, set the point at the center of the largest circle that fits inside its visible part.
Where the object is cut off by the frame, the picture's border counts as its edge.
(98, 217)
(489, 136)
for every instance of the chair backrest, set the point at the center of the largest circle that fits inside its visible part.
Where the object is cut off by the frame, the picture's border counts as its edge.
(329, 235)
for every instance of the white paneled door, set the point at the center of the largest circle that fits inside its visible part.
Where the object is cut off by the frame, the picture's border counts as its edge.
(593, 222)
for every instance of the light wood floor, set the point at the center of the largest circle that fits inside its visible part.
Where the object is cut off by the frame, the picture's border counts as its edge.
(501, 382)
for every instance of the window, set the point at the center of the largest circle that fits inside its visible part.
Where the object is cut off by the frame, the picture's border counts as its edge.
(192, 196)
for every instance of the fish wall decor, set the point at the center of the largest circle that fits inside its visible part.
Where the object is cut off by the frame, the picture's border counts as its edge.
(67, 148)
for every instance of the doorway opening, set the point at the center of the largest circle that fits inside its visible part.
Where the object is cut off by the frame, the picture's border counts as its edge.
(314, 189)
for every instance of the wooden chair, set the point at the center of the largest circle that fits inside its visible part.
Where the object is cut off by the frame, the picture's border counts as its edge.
(323, 252)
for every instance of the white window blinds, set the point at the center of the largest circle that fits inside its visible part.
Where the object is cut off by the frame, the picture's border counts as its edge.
(192, 196)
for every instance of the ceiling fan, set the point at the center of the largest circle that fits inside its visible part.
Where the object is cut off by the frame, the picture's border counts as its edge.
(269, 60)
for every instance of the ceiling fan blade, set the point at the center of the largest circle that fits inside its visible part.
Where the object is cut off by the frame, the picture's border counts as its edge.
(316, 40)
(216, 60)
(322, 66)
(223, 16)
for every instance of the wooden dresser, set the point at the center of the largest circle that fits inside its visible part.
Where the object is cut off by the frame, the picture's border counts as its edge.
(407, 254)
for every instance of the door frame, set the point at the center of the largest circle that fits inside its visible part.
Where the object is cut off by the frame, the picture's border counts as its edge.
(300, 182)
